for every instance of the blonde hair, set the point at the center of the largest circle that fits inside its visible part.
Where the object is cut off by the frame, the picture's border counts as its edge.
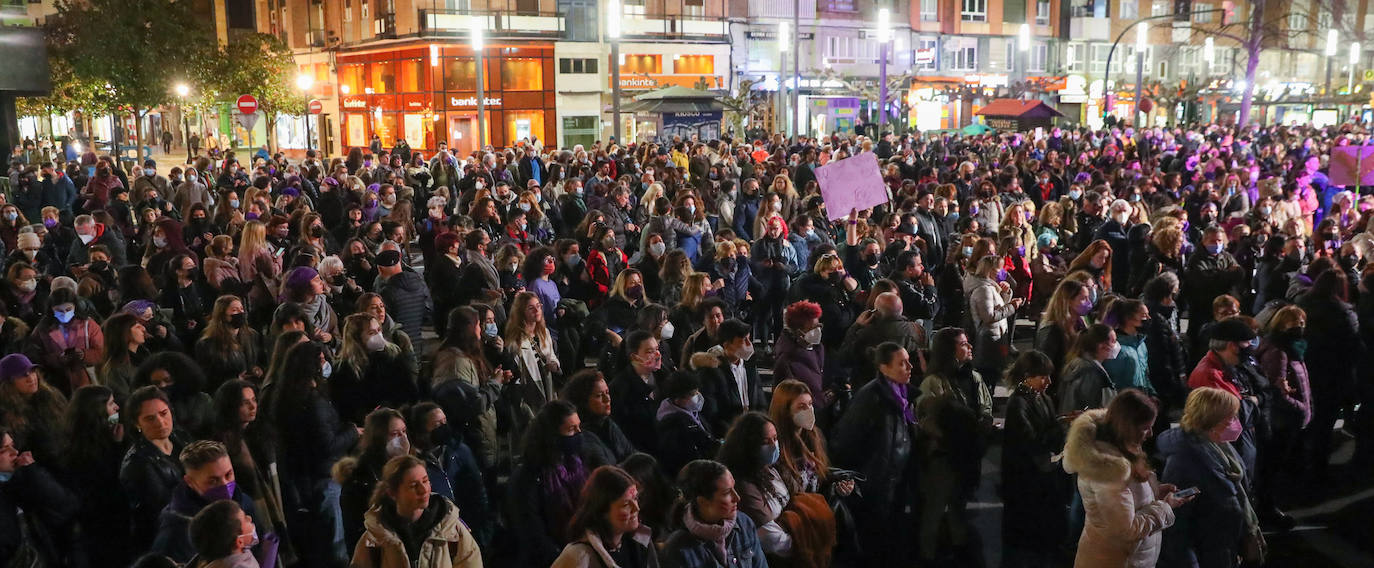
(251, 240)
(1207, 408)
(1285, 317)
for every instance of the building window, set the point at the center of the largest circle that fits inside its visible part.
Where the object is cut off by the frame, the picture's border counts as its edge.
(1042, 12)
(1202, 13)
(634, 7)
(1130, 9)
(1099, 60)
(966, 58)
(1039, 56)
(1159, 8)
(929, 10)
(1073, 57)
(975, 11)
(575, 65)
(930, 49)
(840, 5)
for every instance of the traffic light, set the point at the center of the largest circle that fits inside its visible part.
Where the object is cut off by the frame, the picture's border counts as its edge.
(1228, 13)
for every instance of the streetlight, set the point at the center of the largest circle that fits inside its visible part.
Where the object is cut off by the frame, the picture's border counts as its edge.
(183, 90)
(614, 13)
(884, 37)
(304, 82)
(1141, 38)
(1023, 39)
(1209, 54)
(478, 45)
(1331, 38)
(784, 42)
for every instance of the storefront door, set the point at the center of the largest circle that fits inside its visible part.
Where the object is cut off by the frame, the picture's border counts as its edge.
(462, 133)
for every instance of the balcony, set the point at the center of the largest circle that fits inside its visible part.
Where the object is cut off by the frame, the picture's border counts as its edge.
(675, 26)
(1090, 29)
(495, 23)
(385, 26)
(780, 9)
(315, 38)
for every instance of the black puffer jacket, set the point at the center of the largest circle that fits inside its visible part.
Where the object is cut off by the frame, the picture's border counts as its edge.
(1335, 347)
(1168, 362)
(874, 438)
(45, 500)
(407, 300)
(838, 306)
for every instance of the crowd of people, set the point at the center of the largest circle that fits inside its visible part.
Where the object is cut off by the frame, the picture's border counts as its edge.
(542, 356)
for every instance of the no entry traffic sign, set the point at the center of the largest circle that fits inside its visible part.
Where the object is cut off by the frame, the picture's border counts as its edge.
(316, 107)
(247, 104)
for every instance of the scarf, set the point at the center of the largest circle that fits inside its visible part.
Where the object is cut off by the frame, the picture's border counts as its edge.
(714, 534)
(899, 391)
(314, 309)
(562, 485)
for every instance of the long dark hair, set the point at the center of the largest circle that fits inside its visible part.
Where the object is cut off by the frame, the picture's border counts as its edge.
(301, 377)
(225, 421)
(942, 349)
(541, 437)
(462, 338)
(740, 451)
(579, 390)
(604, 487)
(87, 429)
(187, 378)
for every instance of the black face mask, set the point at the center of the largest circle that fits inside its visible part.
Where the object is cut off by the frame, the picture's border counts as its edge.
(441, 434)
(238, 320)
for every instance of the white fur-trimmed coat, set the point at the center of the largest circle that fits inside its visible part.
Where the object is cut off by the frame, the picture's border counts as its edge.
(1124, 520)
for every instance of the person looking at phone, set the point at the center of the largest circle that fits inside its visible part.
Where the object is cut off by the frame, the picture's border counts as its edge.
(1126, 508)
(1198, 453)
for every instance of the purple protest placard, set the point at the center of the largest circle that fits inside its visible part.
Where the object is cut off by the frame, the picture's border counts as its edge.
(851, 183)
(1351, 163)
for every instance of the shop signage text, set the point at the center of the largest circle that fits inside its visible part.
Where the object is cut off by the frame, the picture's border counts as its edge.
(464, 102)
(355, 103)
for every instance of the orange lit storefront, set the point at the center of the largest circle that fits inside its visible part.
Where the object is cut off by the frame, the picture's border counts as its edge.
(407, 93)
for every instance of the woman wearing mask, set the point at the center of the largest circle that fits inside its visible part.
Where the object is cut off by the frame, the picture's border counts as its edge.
(1047, 270)
(1086, 383)
(403, 505)
(689, 209)
(949, 283)
(751, 450)
(732, 277)
(260, 269)
(1126, 506)
(67, 343)
(545, 487)
(1130, 367)
(538, 271)
(603, 440)
(507, 261)
(304, 288)
(11, 220)
(649, 262)
(991, 304)
(445, 270)
(529, 345)
(1282, 356)
(1198, 454)
(151, 468)
(23, 293)
(166, 242)
(126, 337)
(252, 452)
(531, 204)
(774, 263)
(185, 293)
(835, 291)
(90, 466)
(606, 529)
(221, 267)
(803, 465)
(229, 348)
(1097, 260)
(453, 470)
(1164, 253)
(604, 264)
(370, 371)
(312, 439)
(476, 383)
(799, 353)
(637, 390)
(711, 530)
(384, 438)
(1035, 490)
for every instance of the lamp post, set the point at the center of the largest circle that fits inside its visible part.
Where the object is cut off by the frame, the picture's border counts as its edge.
(614, 13)
(1141, 37)
(1023, 57)
(478, 45)
(784, 42)
(182, 91)
(1354, 59)
(796, 68)
(884, 37)
(1331, 38)
(304, 82)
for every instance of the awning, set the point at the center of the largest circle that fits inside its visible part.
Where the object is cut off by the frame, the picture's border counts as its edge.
(1018, 108)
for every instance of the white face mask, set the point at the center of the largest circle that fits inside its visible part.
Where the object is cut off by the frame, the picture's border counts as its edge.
(667, 331)
(747, 352)
(326, 369)
(805, 419)
(86, 239)
(812, 337)
(398, 446)
(375, 342)
(657, 249)
(1114, 351)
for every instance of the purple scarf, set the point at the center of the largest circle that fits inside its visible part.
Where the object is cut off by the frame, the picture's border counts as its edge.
(899, 391)
(562, 484)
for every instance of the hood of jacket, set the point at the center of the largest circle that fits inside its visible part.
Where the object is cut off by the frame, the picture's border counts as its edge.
(667, 408)
(1090, 458)
(378, 535)
(1176, 441)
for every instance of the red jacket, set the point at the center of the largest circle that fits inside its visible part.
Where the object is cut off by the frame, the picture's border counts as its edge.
(1211, 371)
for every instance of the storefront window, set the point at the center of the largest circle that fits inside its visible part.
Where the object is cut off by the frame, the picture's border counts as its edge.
(351, 76)
(522, 74)
(412, 76)
(355, 130)
(291, 132)
(384, 127)
(695, 65)
(460, 74)
(521, 124)
(382, 76)
(651, 64)
(419, 130)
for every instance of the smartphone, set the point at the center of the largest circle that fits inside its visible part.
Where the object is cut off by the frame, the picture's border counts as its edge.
(1186, 493)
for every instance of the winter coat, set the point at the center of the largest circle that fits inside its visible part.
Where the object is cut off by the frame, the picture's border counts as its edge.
(312, 439)
(634, 407)
(1208, 276)
(1084, 384)
(1167, 360)
(148, 477)
(407, 300)
(539, 512)
(45, 502)
(792, 359)
(721, 391)
(1035, 489)
(448, 544)
(1123, 520)
(1279, 364)
(990, 309)
(603, 442)
(839, 307)
(682, 437)
(590, 552)
(1207, 531)
(174, 522)
(1335, 346)
(742, 548)
(1131, 367)
(874, 438)
(468, 399)
(48, 346)
(455, 475)
(384, 381)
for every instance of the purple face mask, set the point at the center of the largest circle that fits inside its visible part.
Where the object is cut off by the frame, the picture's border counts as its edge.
(219, 492)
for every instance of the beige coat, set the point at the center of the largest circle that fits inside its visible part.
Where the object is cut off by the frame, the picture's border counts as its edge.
(449, 545)
(1124, 521)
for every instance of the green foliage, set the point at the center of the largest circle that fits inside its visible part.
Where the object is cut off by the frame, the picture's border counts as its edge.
(260, 65)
